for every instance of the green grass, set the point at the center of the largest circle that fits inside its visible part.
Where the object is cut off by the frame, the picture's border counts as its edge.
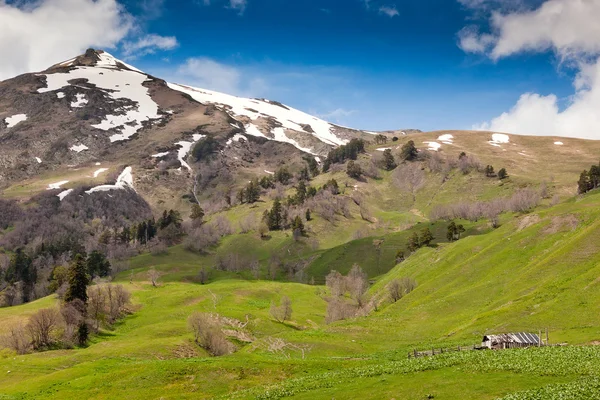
(534, 272)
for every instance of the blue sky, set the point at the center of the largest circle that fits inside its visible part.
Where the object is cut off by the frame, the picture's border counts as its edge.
(515, 66)
(353, 64)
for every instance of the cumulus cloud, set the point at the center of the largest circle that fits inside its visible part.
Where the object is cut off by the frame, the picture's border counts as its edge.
(390, 11)
(34, 36)
(570, 29)
(206, 73)
(149, 44)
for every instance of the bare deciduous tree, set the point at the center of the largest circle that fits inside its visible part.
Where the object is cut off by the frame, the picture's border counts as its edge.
(16, 339)
(208, 333)
(42, 327)
(153, 275)
(283, 312)
(409, 178)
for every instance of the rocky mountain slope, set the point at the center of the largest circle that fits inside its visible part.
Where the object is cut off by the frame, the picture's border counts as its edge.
(95, 110)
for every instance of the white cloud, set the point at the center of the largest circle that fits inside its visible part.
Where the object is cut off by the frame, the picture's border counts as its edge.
(390, 11)
(148, 44)
(570, 29)
(206, 73)
(239, 5)
(337, 114)
(34, 36)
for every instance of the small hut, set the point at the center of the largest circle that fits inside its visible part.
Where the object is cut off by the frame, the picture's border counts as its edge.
(510, 340)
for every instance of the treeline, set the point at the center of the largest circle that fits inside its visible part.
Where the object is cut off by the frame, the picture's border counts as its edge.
(84, 310)
(589, 180)
(51, 232)
(343, 153)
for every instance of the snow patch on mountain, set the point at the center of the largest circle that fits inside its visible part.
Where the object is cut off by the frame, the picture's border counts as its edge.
(56, 185)
(60, 95)
(559, 143)
(79, 148)
(64, 194)
(124, 181)
(39, 160)
(184, 149)
(80, 101)
(100, 171)
(498, 139)
(433, 146)
(254, 109)
(15, 119)
(117, 84)
(236, 138)
(160, 155)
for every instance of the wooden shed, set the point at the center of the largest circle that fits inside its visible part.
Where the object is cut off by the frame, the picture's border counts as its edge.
(510, 340)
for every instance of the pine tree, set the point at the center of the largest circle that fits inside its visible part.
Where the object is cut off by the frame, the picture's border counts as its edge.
(274, 216)
(197, 213)
(300, 193)
(304, 175)
(400, 256)
(97, 264)
(413, 242)
(21, 269)
(388, 160)
(83, 333)
(409, 152)
(308, 216)
(426, 237)
(584, 184)
(451, 231)
(502, 174)
(354, 170)
(78, 281)
(298, 226)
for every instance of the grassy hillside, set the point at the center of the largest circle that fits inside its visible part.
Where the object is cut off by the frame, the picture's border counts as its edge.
(535, 271)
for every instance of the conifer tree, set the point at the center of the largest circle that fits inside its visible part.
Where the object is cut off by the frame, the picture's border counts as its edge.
(413, 242)
(388, 160)
(409, 152)
(274, 216)
(426, 237)
(502, 174)
(197, 213)
(97, 264)
(308, 216)
(78, 280)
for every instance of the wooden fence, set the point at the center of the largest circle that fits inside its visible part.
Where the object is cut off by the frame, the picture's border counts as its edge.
(434, 351)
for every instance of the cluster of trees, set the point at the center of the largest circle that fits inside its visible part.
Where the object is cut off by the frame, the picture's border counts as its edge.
(589, 180)
(340, 154)
(205, 148)
(354, 170)
(47, 233)
(416, 241)
(83, 310)
(490, 173)
(454, 231)
(347, 294)
(522, 201)
(381, 139)
(409, 151)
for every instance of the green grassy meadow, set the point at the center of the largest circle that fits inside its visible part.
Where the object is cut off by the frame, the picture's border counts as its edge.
(534, 272)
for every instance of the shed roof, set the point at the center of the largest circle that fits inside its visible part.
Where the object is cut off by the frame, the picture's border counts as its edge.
(520, 337)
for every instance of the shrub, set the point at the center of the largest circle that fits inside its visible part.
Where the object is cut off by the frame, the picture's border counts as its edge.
(208, 333)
